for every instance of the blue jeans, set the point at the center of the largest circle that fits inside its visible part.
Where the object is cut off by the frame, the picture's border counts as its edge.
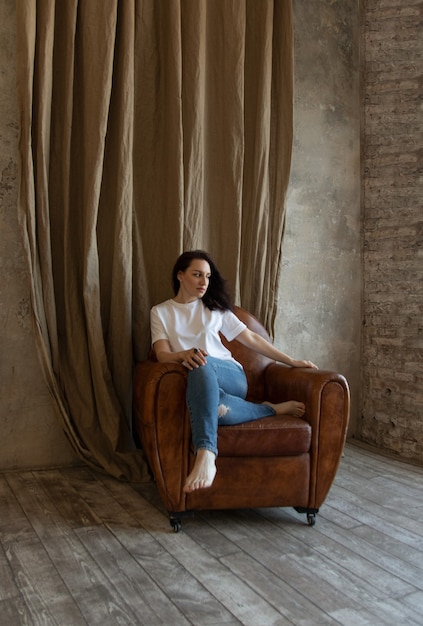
(216, 395)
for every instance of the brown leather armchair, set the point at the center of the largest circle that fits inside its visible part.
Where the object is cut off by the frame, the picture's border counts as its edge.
(275, 461)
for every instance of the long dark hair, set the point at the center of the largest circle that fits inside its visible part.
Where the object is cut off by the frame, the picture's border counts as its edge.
(217, 295)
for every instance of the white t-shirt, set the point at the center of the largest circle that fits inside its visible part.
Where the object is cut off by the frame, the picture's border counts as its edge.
(193, 325)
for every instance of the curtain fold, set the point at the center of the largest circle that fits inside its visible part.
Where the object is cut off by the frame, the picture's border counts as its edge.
(146, 128)
(268, 139)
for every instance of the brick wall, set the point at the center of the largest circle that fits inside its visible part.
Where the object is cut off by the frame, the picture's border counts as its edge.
(392, 348)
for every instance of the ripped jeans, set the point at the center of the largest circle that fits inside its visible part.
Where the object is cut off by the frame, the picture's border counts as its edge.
(216, 395)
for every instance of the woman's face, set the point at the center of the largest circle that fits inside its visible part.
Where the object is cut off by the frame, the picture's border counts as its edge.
(194, 281)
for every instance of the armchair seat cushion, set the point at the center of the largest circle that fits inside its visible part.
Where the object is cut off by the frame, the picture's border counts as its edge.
(278, 435)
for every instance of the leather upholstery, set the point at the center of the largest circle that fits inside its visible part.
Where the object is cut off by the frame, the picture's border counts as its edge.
(269, 436)
(274, 461)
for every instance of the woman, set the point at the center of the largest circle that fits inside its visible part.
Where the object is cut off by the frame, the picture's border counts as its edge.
(185, 329)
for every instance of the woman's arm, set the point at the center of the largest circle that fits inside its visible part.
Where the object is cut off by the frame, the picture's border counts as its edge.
(257, 343)
(189, 358)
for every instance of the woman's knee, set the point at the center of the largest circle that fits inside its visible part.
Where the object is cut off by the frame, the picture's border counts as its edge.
(202, 373)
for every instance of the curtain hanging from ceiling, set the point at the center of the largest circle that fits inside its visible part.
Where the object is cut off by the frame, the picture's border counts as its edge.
(146, 128)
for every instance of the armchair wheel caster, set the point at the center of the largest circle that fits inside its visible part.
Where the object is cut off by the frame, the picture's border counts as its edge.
(311, 519)
(176, 517)
(311, 514)
(176, 524)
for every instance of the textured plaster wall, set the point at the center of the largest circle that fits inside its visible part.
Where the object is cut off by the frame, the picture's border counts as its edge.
(30, 435)
(320, 297)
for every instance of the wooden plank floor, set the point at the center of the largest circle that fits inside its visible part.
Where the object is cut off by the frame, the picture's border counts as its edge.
(80, 548)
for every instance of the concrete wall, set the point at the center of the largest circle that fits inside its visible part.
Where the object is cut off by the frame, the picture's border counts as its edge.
(319, 315)
(30, 435)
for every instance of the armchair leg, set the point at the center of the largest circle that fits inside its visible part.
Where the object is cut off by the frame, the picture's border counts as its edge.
(311, 514)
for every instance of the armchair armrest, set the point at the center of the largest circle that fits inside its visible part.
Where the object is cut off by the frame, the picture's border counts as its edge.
(327, 399)
(162, 422)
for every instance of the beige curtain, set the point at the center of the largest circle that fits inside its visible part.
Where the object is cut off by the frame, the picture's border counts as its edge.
(146, 127)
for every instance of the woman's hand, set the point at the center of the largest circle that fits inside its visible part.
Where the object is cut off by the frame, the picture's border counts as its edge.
(193, 358)
(299, 363)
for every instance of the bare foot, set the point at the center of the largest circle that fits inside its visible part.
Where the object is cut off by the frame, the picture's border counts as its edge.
(203, 472)
(288, 408)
